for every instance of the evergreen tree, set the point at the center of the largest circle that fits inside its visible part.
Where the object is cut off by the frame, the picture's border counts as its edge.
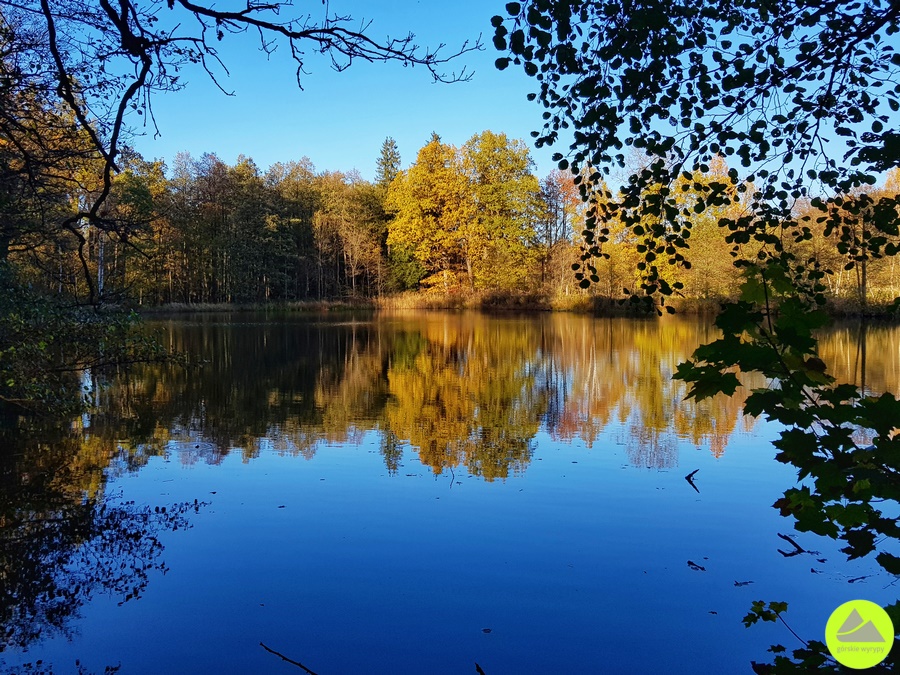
(388, 164)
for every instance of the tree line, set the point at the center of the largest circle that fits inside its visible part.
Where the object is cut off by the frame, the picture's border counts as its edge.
(202, 231)
(468, 219)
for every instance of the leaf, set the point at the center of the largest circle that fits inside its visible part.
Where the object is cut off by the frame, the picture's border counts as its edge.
(889, 562)
(893, 611)
(712, 382)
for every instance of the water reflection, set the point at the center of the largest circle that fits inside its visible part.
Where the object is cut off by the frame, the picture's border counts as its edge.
(62, 540)
(460, 390)
(465, 392)
(867, 355)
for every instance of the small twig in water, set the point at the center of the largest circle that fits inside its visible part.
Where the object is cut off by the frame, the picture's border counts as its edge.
(284, 658)
(797, 548)
(690, 479)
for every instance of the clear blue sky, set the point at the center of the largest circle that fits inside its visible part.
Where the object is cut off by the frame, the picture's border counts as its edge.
(339, 120)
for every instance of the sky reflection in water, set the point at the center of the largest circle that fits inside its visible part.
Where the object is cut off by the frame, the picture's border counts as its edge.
(382, 491)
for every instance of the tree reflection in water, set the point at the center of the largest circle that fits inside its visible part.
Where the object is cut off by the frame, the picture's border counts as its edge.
(62, 539)
(460, 390)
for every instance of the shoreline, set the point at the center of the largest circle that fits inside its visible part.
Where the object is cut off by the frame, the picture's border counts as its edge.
(840, 308)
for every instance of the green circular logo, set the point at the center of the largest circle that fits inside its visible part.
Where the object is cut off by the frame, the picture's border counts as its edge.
(859, 634)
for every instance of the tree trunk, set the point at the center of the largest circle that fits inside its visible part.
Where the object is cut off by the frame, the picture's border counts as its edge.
(863, 285)
(100, 264)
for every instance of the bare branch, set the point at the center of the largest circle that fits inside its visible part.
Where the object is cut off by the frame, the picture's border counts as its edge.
(285, 658)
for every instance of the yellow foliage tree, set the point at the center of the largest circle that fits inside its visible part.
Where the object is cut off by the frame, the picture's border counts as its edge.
(432, 209)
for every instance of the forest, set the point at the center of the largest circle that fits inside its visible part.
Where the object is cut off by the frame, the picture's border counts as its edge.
(457, 221)
(86, 221)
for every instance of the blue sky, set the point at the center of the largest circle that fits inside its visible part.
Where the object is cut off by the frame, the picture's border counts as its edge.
(339, 120)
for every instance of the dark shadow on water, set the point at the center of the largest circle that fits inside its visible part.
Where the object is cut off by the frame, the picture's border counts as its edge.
(63, 539)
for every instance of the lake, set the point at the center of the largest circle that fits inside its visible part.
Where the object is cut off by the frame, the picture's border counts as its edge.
(414, 494)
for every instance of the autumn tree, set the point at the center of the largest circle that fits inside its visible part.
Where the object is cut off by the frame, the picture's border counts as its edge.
(468, 214)
(557, 225)
(431, 206)
(248, 242)
(40, 154)
(499, 238)
(711, 274)
(295, 200)
(860, 228)
(136, 201)
(348, 222)
(562, 204)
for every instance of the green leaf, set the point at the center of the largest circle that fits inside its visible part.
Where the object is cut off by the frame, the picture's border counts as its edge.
(893, 611)
(889, 562)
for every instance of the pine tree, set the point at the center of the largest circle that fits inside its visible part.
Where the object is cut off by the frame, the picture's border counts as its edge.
(388, 165)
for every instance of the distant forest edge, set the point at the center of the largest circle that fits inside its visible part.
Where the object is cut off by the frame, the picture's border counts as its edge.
(468, 226)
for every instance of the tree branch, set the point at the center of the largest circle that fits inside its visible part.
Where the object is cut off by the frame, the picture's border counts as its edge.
(285, 658)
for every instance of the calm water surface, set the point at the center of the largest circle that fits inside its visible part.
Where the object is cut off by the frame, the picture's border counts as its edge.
(414, 494)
